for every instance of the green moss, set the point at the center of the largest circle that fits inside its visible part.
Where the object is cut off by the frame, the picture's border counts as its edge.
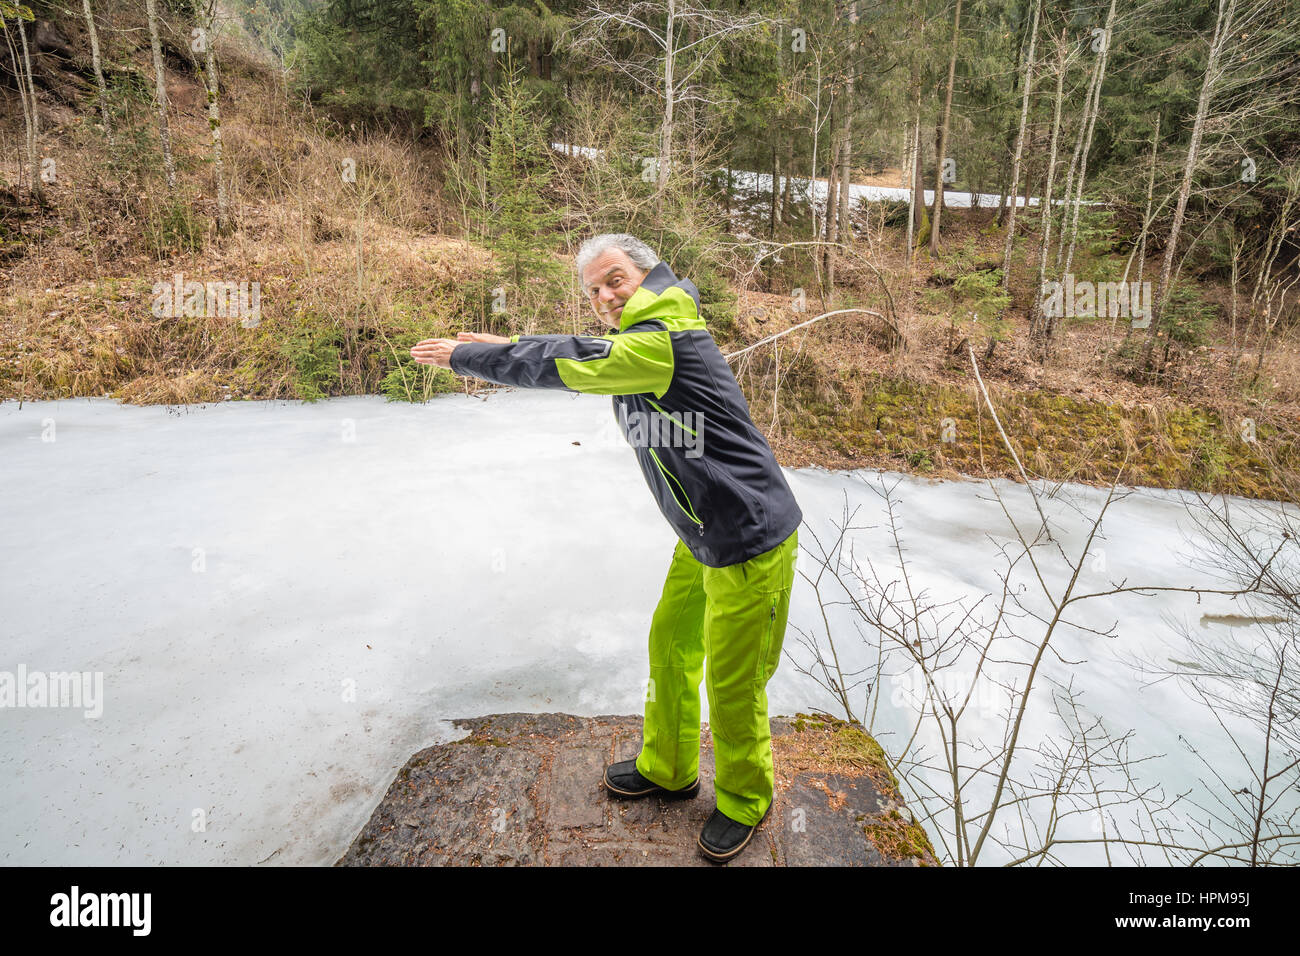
(804, 721)
(895, 837)
(849, 742)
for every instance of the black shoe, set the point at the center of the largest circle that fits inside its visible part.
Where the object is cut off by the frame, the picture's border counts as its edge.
(623, 780)
(723, 838)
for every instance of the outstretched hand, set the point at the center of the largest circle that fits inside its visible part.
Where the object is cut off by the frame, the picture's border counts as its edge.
(434, 352)
(438, 351)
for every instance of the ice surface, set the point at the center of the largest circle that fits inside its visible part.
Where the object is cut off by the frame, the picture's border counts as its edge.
(286, 600)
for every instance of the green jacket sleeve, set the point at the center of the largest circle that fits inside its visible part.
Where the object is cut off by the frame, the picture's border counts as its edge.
(626, 363)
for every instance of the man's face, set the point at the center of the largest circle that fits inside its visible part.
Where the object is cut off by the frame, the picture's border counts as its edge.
(609, 281)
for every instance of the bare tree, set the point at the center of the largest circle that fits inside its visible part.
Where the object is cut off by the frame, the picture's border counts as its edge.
(1045, 202)
(846, 136)
(669, 71)
(1223, 28)
(1242, 669)
(1020, 148)
(26, 90)
(1091, 108)
(1272, 285)
(916, 198)
(949, 662)
(970, 668)
(99, 70)
(160, 93)
(206, 15)
(943, 134)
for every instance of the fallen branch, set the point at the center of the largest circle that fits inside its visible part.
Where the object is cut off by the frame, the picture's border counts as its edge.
(1006, 441)
(891, 320)
(824, 315)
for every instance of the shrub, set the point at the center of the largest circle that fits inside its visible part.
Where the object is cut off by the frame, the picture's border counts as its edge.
(314, 354)
(173, 227)
(409, 381)
(1185, 317)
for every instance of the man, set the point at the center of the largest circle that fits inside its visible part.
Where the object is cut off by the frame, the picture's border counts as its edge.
(715, 479)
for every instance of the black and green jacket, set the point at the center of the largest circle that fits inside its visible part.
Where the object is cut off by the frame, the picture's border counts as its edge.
(711, 470)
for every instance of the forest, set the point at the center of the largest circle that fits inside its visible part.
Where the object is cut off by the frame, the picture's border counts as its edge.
(1126, 277)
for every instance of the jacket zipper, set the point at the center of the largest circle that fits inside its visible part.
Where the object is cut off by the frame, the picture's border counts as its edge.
(671, 478)
(680, 425)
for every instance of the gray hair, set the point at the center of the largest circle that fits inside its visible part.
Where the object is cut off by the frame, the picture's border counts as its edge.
(642, 256)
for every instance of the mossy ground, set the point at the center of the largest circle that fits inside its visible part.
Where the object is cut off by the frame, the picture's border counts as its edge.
(846, 749)
(828, 744)
(940, 430)
(897, 837)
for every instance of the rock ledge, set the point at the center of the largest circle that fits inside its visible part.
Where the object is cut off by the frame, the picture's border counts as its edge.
(525, 789)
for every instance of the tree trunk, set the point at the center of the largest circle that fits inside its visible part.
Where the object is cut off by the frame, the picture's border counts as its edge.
(832, 170)
(918, 182)
(1045, 199)
(846, 137)
(1074, 163)
(666, 129)
(1004, 173)
(1222, 29)
(99, 71)
(909, 163)
(916, 201)
(938, 166)
(160, 94)
(1146, 216)
(1005, 170)
(1020, 145)
(692, 33)
(212, 83)
(789, 173)
(34, 131)
(830, 223)
(1140, 251)
(1090, 121)
(774, 219)
(943, 136)
(29, 108)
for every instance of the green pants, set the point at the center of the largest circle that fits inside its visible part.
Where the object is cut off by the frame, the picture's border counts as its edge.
(735, 617)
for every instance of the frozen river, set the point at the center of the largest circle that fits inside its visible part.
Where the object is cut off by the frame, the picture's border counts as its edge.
(284, 601)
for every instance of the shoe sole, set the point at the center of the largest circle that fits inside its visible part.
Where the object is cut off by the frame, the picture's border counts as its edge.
(687, 794)
(723, 857)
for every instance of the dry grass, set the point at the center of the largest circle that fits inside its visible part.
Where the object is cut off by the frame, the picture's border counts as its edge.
(75, 314)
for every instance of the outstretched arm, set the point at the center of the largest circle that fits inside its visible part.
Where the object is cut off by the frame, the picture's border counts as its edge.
(615, 364)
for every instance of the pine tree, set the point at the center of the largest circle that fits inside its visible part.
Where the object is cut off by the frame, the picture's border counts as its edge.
(519, 222)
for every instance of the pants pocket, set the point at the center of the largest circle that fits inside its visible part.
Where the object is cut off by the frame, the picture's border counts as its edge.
(777, 583)
(767, 665)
